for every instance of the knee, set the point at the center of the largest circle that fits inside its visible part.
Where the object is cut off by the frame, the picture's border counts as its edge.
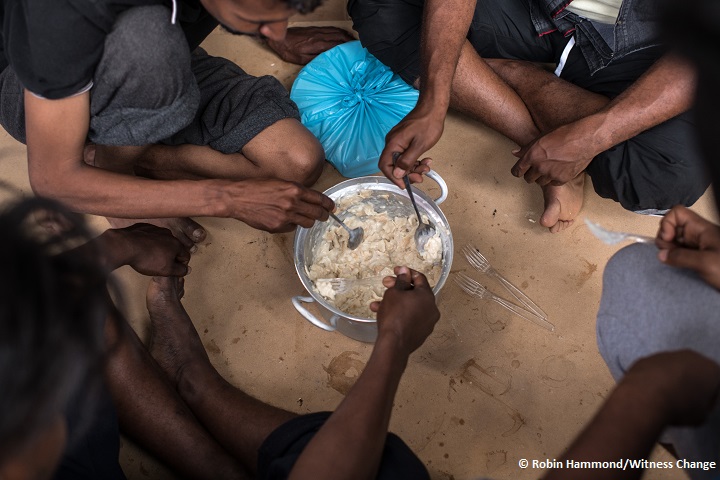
(304, 164)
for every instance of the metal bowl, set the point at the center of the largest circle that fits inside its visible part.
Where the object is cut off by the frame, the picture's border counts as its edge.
(359, 328)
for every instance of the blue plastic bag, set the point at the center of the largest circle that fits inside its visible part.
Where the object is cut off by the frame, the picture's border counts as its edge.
(349, 100)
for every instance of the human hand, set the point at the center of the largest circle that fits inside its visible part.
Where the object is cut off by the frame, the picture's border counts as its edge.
(148, 249)
(685, 383)
(302, 44)
(277, 205)
(686, 240)
(407, 310)
(417, 133)
(555, 158)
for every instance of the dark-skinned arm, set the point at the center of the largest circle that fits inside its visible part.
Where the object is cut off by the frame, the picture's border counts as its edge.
(302, 44)
(445, 27)
(148, 249)
(350, 444)
(663, 92)
(56, 134)
(666, 389)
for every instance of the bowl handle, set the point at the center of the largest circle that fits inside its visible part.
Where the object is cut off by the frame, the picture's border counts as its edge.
(441, 183)
(297, 303)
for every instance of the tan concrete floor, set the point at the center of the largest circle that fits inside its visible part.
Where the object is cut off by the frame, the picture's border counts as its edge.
(487, 389)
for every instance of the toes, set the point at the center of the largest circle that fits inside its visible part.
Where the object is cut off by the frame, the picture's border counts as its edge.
(551, 216)
(193, 230)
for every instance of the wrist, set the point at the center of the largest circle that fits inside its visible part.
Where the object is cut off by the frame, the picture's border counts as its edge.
(113, 248)
(220, 197)
(432, 102)
(390, 345)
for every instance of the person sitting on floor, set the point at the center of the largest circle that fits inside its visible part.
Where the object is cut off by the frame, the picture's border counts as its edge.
(614, 108)
(107, 90)
(65, 348)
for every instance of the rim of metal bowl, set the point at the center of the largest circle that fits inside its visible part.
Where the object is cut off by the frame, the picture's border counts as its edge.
(425, 204)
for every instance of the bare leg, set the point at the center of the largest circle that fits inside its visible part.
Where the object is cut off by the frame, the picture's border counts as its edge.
(238, 422)
(284, 150)
(480, 93)
(151, 412)
(552, 102)
(123, 160)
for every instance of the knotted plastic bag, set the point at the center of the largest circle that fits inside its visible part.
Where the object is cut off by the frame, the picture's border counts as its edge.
(349, 100)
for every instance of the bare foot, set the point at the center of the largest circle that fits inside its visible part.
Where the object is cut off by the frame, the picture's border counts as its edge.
(188, 231)
(562, 204)
(174, 342)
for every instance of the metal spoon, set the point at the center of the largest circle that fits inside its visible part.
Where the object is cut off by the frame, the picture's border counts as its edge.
(356, 234)
(424, 231)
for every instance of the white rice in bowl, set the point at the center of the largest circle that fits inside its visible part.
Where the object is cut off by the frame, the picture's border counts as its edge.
(388, 242)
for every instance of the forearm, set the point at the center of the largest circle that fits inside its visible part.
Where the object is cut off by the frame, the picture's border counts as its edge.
(663, 92)
(56, 135)
(626, 427)
(445, 27)
(96, 191)
(351, 442)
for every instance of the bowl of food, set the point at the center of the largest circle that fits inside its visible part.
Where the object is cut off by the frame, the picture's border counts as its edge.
(389, 221)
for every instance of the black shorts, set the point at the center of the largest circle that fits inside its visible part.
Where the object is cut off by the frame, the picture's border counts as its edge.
(655, 170)
(281, 449)
(93, 441)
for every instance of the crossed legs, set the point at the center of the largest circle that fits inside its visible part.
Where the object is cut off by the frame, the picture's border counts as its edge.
(523, 101)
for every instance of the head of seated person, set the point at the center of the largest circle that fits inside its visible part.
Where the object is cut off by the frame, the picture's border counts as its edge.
(52, 313)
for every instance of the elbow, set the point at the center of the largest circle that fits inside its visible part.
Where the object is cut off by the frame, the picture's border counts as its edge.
(42, 185)
(47, 182)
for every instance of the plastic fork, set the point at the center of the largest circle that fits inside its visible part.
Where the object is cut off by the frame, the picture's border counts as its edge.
(611, 238)
(481, 264)
(475, 289)
(342, 285)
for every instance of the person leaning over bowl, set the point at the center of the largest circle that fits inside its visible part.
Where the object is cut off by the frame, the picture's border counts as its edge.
(59, 333)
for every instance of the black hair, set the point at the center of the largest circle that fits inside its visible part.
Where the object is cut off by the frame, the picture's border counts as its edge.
(304, 6)
(52, 312)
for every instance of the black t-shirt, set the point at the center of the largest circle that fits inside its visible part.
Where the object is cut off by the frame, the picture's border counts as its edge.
(54, 46)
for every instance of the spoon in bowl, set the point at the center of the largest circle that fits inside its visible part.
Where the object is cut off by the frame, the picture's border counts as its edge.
(424, 231)
(356, 234)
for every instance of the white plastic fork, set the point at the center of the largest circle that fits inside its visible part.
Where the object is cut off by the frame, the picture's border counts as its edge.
(481, 264)
(611, 238)
(475, 289)
(343, 285)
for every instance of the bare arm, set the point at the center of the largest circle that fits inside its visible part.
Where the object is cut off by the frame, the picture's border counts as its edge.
(302, 44)
(56, 133)
(664, 91)
(670, 388)
(445, 27)
(350, 444)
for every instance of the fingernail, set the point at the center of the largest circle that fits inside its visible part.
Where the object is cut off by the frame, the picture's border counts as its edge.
(189, 270)
(515, 152)
(193, 249)
(198, 233)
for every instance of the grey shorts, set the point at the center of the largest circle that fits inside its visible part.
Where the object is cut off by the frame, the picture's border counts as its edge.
(648, 307)
(164, 94)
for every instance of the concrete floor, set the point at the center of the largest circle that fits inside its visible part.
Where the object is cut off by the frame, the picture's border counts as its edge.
(487, 389)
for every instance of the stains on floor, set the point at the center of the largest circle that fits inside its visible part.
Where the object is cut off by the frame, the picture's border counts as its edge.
(343, 370)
